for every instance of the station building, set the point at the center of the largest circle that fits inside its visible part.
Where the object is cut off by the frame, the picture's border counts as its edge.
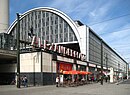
(51, 42)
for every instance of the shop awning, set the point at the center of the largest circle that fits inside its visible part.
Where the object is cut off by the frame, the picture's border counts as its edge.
(66, 72)
(89, 73)
(85, 73)
(74, 72)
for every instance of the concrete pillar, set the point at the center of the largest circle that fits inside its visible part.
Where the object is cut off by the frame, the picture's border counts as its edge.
(74, 66)
(4, 15)
(87, 69)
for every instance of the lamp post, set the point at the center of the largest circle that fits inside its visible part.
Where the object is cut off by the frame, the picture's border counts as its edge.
(34, 60)
(101, 62)
(127, 69)
(18, 50)
(118, 71)
(41, 68)
(107, 62)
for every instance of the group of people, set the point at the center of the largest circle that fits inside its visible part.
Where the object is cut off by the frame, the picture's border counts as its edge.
(24, 81)
(67, 80)
(90, 78)
(98, 77)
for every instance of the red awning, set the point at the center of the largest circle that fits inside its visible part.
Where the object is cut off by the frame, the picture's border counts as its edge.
(89, 73)
(66, 72)
(73, 72)
(83, 73)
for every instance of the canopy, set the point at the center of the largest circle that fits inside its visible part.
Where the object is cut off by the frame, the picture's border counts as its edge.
(66, 72)
(89, 73)
(74, 72)
(83, 73)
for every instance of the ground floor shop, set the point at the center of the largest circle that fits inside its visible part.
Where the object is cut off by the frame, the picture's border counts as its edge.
(42, 68)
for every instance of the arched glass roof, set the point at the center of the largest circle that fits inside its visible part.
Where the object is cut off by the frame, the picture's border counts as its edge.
(48, 24)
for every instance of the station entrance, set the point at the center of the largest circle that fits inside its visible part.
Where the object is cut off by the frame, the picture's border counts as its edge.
(7, 66)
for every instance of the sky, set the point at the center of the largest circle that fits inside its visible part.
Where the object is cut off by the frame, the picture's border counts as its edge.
(110, 19)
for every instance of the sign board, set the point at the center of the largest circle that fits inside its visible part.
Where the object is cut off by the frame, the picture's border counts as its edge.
(92, 65)
(36, 42)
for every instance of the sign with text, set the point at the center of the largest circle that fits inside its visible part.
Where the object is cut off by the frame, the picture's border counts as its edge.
(36, 42)
(65, 67)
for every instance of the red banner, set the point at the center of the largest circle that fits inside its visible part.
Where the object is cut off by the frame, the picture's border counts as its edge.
(65, 67)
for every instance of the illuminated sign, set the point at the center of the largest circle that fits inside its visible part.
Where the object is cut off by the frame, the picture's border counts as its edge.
(36, 42)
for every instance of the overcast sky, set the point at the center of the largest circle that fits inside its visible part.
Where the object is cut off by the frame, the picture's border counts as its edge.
(110, 19)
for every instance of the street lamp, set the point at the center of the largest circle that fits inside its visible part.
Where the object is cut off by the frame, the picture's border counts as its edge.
(18, 50)
(107, 61)
(101, 62)
(34, 60)
(118, 71)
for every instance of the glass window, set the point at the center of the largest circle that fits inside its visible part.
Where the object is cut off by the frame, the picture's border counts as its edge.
(60, 20)
(56, 39)
(43, 14)
(51, 38)
(47, 14)
(47, 38)
(51, 29)
(60, 28)
(61, 37)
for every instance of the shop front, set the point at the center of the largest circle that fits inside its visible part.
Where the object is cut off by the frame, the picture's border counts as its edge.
(42, 67)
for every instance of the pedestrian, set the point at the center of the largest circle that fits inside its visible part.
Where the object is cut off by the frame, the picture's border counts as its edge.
(57, 81)
(25, 80)
(92, 78)
(106, 78)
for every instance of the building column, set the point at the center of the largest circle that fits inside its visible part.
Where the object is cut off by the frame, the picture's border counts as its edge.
(87, 68)
(74, 66)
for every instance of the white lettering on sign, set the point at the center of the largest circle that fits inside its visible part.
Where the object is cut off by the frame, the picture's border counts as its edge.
(92, 65)
(36, 42)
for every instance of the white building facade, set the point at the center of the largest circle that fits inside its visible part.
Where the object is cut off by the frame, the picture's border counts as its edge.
(56, 27)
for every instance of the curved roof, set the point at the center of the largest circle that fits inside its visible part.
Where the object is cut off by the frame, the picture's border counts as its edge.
(59, 13)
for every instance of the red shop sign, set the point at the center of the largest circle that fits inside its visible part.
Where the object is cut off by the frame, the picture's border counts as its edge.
(65, 67)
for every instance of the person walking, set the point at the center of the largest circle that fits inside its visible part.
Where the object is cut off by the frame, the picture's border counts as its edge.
(106, 78)
(25, 80)
(57, 81)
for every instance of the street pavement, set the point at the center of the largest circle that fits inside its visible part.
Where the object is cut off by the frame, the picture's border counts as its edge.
(122, 88)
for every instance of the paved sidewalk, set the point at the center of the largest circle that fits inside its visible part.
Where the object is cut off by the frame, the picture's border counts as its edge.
(90, 89)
